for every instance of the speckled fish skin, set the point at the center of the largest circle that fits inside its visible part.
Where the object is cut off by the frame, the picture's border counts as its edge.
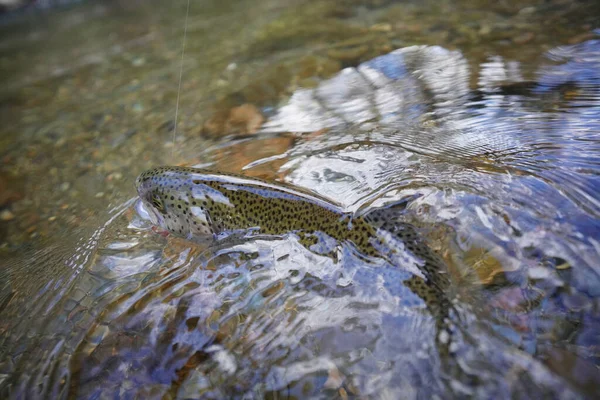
(199, 204)
(191, 202)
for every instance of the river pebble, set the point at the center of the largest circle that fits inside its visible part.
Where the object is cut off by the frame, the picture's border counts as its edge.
(6, 215)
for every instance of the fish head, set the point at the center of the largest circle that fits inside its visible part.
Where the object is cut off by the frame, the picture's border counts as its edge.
(177, 201)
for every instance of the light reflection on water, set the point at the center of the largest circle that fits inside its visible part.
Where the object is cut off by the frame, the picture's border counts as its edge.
(502, 180)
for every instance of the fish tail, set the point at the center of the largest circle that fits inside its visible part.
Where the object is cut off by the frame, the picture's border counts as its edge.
(433, 286)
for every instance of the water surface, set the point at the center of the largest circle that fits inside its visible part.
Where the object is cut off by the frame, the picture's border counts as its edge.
(489, 133)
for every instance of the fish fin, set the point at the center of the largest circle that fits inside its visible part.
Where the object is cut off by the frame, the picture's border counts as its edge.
(390, 212)
(314, 244)
(389, 219)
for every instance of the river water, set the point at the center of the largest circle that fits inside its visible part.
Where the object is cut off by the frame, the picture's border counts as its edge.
(483, 120)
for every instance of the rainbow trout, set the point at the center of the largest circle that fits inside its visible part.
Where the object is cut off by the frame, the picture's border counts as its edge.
(198, 205)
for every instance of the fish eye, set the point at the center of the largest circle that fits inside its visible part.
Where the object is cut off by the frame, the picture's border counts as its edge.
(158, 203)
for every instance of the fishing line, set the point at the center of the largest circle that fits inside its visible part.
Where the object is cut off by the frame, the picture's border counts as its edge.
(187, 13)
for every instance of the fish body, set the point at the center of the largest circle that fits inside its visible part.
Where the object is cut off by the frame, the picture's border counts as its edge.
(199, 204)
(202, 205)
(193, 203)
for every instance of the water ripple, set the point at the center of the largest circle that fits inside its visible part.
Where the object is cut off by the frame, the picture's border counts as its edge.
(502, 179)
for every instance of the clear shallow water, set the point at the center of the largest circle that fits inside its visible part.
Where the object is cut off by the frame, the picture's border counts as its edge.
(500, 176)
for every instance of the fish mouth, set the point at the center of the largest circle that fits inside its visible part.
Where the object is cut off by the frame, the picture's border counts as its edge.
(148, 213)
